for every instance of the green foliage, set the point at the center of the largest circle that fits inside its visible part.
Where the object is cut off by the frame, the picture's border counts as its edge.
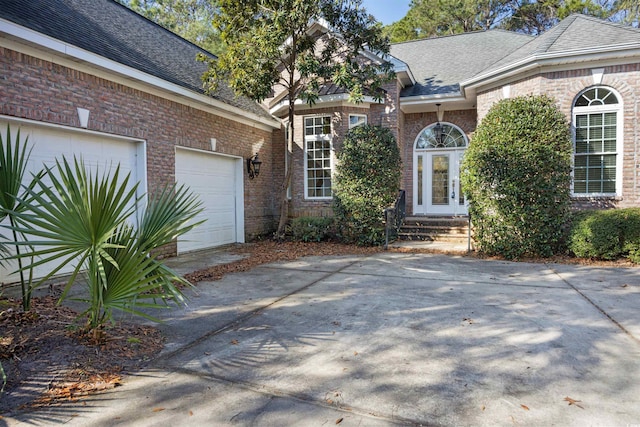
(606, 234)
(81, 219)
(269, 46)
(14, 157)
(535, 17)
(367, 179)
(268, 42)
(190, 19)
(429, 18)
(311, 229)
(516, 175)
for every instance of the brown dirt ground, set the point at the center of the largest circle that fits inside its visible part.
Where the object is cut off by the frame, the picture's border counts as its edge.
(47, 360)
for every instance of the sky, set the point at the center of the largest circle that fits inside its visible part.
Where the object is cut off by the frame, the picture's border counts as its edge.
(387, 11)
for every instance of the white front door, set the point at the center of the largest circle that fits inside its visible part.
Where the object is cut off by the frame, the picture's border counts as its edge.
(437, 183)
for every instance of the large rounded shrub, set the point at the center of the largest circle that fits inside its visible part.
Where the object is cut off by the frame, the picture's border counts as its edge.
(367, 179)
(516, 174)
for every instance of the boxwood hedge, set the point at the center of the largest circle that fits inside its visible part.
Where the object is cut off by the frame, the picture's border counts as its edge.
(606, 234)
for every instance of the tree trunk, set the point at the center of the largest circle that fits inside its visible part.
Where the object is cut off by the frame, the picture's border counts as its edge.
(284, 200)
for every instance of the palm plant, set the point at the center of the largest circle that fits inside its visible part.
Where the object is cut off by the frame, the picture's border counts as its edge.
(13, 169)
(83, 218)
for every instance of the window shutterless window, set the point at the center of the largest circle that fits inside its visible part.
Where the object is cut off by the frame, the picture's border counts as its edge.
(318, 164)
(357, 120)
(597, 143)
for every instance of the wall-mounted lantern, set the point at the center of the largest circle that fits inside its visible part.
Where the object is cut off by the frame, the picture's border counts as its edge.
(437, 129)
(253, 166)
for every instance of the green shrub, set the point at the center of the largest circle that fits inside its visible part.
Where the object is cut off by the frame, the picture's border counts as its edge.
(516, 176)
(311, 229)
(367, 180)
(606, 234)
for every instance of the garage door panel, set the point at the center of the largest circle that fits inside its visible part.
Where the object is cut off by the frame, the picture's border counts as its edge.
(49, 144)
(213, 179)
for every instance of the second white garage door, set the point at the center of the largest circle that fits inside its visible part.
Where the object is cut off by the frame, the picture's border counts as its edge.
(217, 181)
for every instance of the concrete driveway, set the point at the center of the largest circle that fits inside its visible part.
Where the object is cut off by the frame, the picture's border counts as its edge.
(390, 339)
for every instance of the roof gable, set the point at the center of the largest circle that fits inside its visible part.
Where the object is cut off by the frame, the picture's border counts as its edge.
(440, 64)
(573, 34)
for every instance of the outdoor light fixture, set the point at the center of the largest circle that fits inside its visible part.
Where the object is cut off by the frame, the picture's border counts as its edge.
(437, 129)
(253, 166)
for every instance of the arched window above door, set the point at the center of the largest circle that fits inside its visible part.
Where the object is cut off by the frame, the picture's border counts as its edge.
(452, 137)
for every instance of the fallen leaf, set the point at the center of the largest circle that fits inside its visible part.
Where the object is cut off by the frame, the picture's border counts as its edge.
(330, 402)
(234, 342)
(339, 420)
(484, 407)
(525, 407)
(355, 353)
(573, 402)
(191, 413)
(626, 285)
(158, 409)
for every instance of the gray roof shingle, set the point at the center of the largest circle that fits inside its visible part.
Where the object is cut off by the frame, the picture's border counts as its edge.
(573, 33)
(440, 64)
(113, 31)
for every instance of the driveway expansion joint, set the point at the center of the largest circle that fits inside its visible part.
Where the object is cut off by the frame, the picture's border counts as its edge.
(597, 307)
(158, 362)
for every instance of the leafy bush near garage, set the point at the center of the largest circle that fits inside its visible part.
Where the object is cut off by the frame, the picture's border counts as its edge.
(516, 176)
(606, 234)
(311, 229)
(367, 181)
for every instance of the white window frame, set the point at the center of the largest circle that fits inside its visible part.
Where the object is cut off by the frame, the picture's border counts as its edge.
(364, 116)
(600, 109)
(315, 138)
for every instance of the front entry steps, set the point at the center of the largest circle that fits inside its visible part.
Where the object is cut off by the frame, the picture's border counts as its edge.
(445, 234)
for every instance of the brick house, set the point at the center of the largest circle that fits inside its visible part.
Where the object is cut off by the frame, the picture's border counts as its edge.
(93, 78)
(446, 85)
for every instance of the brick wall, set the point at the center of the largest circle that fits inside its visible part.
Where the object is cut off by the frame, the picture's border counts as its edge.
(564, 86)
(32, 88)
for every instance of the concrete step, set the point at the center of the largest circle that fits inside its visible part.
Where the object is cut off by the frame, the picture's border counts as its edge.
(435, 229)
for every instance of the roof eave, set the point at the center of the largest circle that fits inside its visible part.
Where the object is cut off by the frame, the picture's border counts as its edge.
(48, 43)
(342, 98)
(550, 59)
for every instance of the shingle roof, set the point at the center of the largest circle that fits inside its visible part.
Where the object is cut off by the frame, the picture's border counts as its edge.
(113, 31)
(573, 33)
(440, 64)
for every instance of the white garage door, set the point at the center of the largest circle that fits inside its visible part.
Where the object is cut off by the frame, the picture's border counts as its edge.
(97, 150)
(217, 180)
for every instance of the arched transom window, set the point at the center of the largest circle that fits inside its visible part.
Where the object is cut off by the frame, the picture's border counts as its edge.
(598, 142)
(452, 137)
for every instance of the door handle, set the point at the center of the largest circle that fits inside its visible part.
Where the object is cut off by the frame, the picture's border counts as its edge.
(453, 192)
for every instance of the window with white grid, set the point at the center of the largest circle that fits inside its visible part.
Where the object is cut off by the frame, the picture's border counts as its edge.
(317, 131)
(596, 162)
